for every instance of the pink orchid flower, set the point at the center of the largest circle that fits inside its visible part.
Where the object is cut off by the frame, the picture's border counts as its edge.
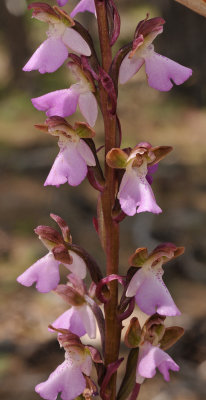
(45, 272)
(135, 193)
(161, 71)
(74, 156)
(83, 5)
(61, 36)
(151, 294)
(149, 359)
(68, 378)
(64, 102)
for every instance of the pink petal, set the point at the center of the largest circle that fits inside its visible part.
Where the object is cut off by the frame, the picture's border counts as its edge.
(153, 296)
(58, 174)
(129, 67)
(84, 5)
(61, 102)
(45, 272)
(88, 107)
(161, 70)
(152, 357)
(129, 195)
(86, 153)
(147, 199)
(71, 319)
(88, 320)
(75, 41)
(68, 166)
(48, 57)
(78, 266)
(135, 283)
(67, 379)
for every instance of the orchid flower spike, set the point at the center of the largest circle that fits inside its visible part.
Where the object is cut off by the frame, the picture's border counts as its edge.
(74, 156)
(135, 192)
(68, 379)
(61, 36)
(64, 102)
(45, 272)
(151, 294)
(79, 319)
(83, 5)
(161, 71)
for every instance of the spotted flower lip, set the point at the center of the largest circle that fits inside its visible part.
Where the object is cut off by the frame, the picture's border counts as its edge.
(161, 71)
(151, 294)
(64, 102)
(135, 193)
(149, 359)
(68, 379)
(61, 36)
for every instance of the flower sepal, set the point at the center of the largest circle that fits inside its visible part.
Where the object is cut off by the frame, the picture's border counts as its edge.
(132, 337)
(171, 336)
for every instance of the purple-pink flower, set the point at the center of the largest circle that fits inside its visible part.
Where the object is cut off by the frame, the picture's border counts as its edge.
(64, 102)
(68, 378)
(151, 294)
(135, 193)
(161, 71)
(149, 359)
(74, 156)
(54, 51)
(45, 272)
(79, 320)
(83, 5)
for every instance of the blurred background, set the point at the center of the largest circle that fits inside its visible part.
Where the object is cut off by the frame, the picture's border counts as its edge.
(28, 352)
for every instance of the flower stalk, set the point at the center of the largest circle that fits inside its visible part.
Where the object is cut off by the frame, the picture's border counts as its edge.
(112, 325)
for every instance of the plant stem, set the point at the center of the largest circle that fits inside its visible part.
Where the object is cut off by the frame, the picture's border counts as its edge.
(113, 327)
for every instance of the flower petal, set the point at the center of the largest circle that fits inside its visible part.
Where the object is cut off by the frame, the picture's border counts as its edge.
(78, 266)
(75, 41)
(58, 174)
(66, 379)
(86, 153)
(161, 70)
(88, 107)
(129, 67)
(152, 357)
(153, 296)
(61, 102)
(129, 195)
(45, 272)
(48, 57)
(68, 166)
(88, 320)
(84, 5)
(71, 319)
(86, 366)
(147, 199)
(136, 282)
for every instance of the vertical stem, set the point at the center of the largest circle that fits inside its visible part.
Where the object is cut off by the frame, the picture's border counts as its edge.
(113, 328)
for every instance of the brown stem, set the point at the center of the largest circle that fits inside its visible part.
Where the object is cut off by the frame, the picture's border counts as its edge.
(113, 327)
